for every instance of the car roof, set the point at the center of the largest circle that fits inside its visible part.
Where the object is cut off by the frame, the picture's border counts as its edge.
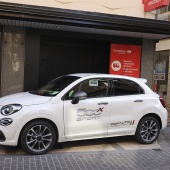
(85, 74)
(106, 75)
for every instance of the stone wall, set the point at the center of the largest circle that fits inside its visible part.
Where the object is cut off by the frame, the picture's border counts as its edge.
(147, 61)
(13, 50)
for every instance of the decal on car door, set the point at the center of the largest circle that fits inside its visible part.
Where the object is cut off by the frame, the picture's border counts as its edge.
(89, 114)
(130, 122)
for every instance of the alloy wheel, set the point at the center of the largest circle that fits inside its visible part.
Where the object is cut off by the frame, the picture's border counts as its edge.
(149, 130)
(39, 138)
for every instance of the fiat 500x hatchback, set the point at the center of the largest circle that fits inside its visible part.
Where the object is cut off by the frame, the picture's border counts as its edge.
(81, 106)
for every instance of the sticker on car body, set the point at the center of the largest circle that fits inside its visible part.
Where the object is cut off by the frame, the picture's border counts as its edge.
(129, 122)
(89, 114)
(93, 82)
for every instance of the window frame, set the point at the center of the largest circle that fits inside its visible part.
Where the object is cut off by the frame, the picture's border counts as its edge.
(112, 90)
(80, 84)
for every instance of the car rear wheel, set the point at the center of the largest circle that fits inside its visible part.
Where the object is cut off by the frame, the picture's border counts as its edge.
(148, 130)
(38, 137)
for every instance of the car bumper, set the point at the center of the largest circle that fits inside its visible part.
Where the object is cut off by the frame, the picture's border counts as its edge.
(164, 118)
(9, 133)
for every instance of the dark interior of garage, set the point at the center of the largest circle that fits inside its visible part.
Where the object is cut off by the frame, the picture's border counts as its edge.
(50, 54)
(61, 55)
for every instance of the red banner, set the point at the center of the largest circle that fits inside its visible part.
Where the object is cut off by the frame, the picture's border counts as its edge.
(150, 5)
(125, 60)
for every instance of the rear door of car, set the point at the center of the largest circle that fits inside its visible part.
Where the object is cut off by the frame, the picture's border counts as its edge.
(127, 105)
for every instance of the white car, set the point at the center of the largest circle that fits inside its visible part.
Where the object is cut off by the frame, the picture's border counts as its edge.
(81, 106)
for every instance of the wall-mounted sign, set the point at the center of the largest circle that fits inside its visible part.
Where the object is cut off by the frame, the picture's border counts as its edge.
(125, 60)
(150, 5)
(160, 69)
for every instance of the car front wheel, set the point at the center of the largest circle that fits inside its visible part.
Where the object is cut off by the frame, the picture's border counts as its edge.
(38, 137)
(148, 130)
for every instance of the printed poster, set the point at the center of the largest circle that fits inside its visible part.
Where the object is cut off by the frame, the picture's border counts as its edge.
(125, 60)
(160, 69)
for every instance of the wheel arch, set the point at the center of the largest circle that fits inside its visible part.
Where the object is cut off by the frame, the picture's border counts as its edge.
(157, 117)
(41, 119)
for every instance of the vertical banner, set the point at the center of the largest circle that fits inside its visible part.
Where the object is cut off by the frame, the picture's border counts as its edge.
(125, 60)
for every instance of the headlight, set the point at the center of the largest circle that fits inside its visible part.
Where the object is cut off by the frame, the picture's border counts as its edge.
(10, 109)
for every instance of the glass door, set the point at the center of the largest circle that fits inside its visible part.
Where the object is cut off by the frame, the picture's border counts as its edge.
(161, 73)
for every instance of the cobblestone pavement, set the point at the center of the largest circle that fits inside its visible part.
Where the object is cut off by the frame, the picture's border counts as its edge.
(120, 159)
(126, 160)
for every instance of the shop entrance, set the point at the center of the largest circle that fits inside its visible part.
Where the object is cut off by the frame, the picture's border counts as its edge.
(161, 73)
(60, 56)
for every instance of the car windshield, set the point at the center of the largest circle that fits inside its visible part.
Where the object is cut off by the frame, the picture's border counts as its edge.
(55, 87)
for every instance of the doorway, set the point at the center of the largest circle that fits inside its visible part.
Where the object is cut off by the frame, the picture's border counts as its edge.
(62, 55)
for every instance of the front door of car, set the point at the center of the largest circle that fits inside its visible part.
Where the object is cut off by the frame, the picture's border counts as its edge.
(127, 106)
(89, 117)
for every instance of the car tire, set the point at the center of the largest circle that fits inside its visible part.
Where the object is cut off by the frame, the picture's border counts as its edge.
(38, 137)
(148, 130)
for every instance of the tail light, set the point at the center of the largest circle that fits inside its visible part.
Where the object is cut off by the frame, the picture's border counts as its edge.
(162, 101)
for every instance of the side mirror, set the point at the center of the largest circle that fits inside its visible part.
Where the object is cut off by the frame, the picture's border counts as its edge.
(79, 96)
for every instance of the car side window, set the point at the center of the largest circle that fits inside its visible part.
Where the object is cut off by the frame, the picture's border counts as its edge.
(70, 94)
(93, 87)
(123, 87)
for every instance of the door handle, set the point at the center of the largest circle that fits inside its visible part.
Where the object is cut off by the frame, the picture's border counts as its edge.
(103, 103)
(138, 100)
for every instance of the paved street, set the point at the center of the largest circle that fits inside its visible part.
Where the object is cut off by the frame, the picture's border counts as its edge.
(104, 154)
(95, 145)
(139, 159)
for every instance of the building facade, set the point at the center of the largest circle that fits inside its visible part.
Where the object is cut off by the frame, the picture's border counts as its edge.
(162, 59)
(41, 40)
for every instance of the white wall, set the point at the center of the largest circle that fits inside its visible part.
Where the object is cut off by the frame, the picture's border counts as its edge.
(121, 7)
(163, 45)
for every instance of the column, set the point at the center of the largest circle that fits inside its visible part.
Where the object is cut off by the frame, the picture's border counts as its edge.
(12, 70)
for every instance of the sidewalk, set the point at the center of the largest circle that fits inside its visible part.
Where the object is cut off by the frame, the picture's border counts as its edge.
(148, 159)
(138, 159)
